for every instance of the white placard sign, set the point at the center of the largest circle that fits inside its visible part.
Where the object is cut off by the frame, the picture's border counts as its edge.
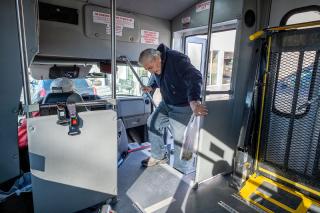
(203, 6)
(149, 37)
(119, 30)
(104, 18)
(101, 18)
(125, 22)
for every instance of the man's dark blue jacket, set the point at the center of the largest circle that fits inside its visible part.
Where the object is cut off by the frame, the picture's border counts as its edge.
(179, 82)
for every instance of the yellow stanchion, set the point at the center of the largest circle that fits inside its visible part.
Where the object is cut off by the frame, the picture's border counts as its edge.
(261, 33)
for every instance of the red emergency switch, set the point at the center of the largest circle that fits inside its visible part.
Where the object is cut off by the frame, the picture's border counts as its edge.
(74, 122)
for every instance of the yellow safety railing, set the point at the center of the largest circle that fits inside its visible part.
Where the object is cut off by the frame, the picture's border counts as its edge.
(261, 33)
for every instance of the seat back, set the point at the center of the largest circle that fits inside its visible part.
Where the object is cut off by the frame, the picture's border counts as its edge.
(65, 97)
(76, 98)
(53, 98)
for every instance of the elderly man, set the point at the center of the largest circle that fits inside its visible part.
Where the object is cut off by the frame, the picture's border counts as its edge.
(180, 86)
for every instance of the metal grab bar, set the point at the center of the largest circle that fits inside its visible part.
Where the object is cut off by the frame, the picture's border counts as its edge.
(125, 59)
(113, 48)
(83, 104)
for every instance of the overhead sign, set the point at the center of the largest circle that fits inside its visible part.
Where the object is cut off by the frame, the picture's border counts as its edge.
(149, 37)
(101, 18)
(121, 22)
(203, 6)
(119, 29)
(104, 18)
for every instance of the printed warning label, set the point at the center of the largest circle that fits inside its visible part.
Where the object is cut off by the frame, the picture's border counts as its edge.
(149, 37)
(119, 30)
(125, 21)
(104, 18)
(203, 6)
(101, 18)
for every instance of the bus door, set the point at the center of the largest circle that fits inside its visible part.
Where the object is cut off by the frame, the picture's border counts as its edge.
(196, 49)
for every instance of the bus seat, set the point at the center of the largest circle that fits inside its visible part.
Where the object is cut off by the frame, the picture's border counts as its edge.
(53, 98)
(122, 139)
(76, 98)
(62, 92)
(68, 97)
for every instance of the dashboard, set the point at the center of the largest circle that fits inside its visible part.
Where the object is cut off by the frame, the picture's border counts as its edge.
(134, 111)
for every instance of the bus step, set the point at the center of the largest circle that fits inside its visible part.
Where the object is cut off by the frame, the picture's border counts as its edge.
(271, 196)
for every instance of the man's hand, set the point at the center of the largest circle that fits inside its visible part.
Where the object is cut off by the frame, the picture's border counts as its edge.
(146, 89)
(198, 108)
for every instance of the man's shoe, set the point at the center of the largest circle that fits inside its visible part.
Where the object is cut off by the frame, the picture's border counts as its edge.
(150, 161)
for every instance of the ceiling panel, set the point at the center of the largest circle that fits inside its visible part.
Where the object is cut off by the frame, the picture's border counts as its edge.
(166, 9)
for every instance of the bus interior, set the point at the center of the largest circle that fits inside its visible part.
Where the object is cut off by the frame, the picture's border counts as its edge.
(258, 149)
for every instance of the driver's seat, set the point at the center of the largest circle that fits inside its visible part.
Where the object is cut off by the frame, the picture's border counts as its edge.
(76, 98)
(62, 92)
(53, 98)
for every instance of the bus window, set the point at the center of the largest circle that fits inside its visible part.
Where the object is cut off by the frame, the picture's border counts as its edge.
(304, 17)
(301, 15)
(127, 84)
(95, 84)
(195, 49)
(221, 58)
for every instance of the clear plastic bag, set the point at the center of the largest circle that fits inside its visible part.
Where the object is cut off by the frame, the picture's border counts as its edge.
(21, 185)
(190, 139)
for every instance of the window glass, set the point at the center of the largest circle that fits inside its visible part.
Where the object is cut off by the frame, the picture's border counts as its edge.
(96, 84)
(220, 61)
(101, 86)
(287, 79)
(194, 53)
(304, 17)
(127, 84)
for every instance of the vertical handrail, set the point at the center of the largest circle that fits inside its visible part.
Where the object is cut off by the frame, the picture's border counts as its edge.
(264, 90)
(207, 54)
(205, 75)
(113, 48)
(23, 54)
(124, 58)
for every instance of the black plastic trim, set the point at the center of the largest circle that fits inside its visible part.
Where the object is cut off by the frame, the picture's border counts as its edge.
(50, 12)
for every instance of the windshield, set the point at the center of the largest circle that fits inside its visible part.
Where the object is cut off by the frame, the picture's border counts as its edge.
(127, 84)
(96, 84)
(80, 83)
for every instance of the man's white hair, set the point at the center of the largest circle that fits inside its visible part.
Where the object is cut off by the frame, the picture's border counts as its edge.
(148, 55)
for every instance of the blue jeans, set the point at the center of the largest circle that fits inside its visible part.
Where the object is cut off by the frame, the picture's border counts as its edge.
(177, 118)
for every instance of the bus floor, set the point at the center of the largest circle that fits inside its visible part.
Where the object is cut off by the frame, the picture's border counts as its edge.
(163, 189)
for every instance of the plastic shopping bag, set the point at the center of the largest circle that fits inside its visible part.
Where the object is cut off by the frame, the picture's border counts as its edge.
(21, 185)
(190, 139)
